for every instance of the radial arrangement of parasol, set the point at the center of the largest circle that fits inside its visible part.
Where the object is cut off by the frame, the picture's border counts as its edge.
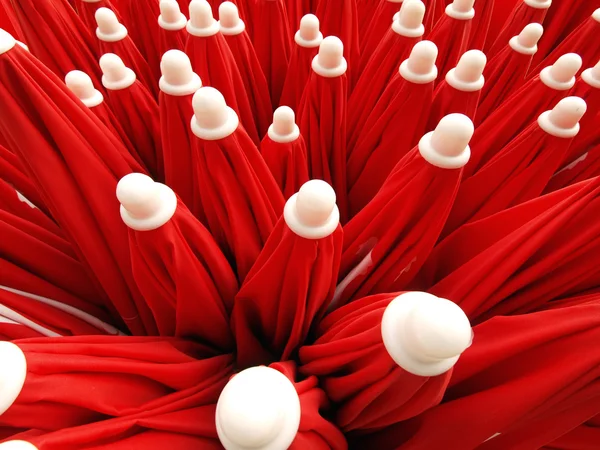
(299, 224)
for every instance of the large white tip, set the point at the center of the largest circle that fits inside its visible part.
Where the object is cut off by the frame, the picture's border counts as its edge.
(526, 41)
(145, 204)
(461, 9)
(563, 119)
(258, 409)
(202, 23)
(178, 77)
(467, 76)
(7, 42)
(284, 128)
(17, 445)
(309, 35)
(171, 17)
(561, 74)
(13, 370)
(330, 61)
(409, 20)
(424, 334)
(420, 67)
(448, 145)
(229, 19)
(80, 84)
(109, 28)
(312, 212)
(592, 76)
(115, 75)
(212, 119)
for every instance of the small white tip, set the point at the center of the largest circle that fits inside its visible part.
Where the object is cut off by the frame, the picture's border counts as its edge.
(424, 334)
(309, 35)
(330, 61)
(22, 45)
(420, 67)
(258, 409)
(592, 76)
(563, 119)
(145, 204)
(409, 20)
(178, 77)
(448, 145)
(284, 128)
(7, 42)
(13, 370)
(461, 9)
(109, 28)
(229, 19)
(312, 212)
(596, 15)
(80, 84)
(115, 75)
(202, 23)
(467, 76)
(212, 119)
(171, 17)
(526, 41)
(561, 74)
(17, 445)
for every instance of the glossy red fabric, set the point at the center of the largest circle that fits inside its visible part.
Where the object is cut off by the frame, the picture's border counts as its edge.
(287, 163)
(451, 36)
(241, 200)
(322, 120)
(13, 172)
(213, 61)
(297, 75)
(376, 28)
(9, 21)
(10, 330)
(583, 168)
(87, 13)
(480, 24)
(284, 295)
(583, 437)
(295, 10)
(448, 100)
(171, 39)
(185, 279)
(358, 374)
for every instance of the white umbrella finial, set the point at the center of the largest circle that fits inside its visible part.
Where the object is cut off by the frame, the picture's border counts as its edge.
(171, 18)
(408, 21)
(7, 41)
(80, 84)
(309, 35)
(201, 23)
(212, 119)
(109, 28)
(563, 119)
(330, 61)
(115, 74)
(312, 212)
(461, 9)
(561, 74)
(419, 67)
(448, 145)
(467, 76)
(284, 128)
(229, 19)
(526, 41)
(17, 445)
(592, 76)
(13, 370)
(178, 77)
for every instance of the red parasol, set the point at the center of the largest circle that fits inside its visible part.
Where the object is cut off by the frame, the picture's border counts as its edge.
(136, 110)
(307, 41)
(394, 126)
(241, 200)
(213, 61)
(271, 38)
(386, 358)
(480, 25)
(172, 34)
(389, 240)
(257, 89)
(266, 408)
(381, 64)
(178, 266)
(322, 119)
(87, 11)
(284, 152)
(292, 281)
(451, 34)
(372, 31)
(9, 21)
(460, 90)
(506, 71)
(295, 11)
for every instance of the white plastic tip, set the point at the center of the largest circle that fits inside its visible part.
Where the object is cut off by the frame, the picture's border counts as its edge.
(145, 204)
(330, 61)
(109, 28)
(202, 22)
(258, 409)
(17, 445)
(538, 4)
(592, 76)
(284, 128)
(448, 145)
(467, 76)
(212, 119)
(312, 212)
(80, 84)
(229, 19)
(561, 74)
(13, 370)
(7, 42)
(409, 20)
(420, 67)
(526, 41)
(596, 15)
(178, 77)
(115, 75)
(23, 45)
(461, 9)
(309, 35)
(171, 17)
(424, 334)
(563, 119)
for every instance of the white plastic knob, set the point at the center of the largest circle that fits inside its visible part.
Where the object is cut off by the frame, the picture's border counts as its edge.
(461, 9)
(424, 334)
(526, 41)
(80, 84)
(563, 120)
(312, 213)
(201, 23)
(145, 204)
(229, 19)
(467, 76)
(7, 42)
(258, 409)
(109, 28)
(284, 128)
(419, 67)
(409, 20)
(561, 74)
(13, 370)
(330, 61)
(592, 76)
(538, 4)
(171, 18)
(212, 119)
(115, 74)
(448, 145)
(178, 77)
(308, 35)
(596, 15)
(18, 445)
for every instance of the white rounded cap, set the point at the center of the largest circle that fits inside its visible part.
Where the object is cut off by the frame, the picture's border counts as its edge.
(424, 334)
(409, 20)
(7, 42)
(592, 76)
(13, 370)
(115, 75)
(311, 213)
(259, 409)
(212, 118)
(563, 120)
(461, 9)
(596, 15)
(109, 28)
(201, 23)
(526, 41)
(538, 4)
(330, 61)
(467, 76)
(419, 67)
(561, 74)
(171, 18)
(145, 204)
(80, 84)
(308, 35)
(284, 128)
(18, 445)
(448, 145)
(178, 77)
(229, 19)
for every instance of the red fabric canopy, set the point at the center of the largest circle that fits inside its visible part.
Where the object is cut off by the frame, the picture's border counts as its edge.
(376, 27)
(87, 12)
(583, 168)
(480, 25)
(14, 173)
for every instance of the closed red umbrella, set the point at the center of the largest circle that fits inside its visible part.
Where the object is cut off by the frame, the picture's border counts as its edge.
(172, 34)
(387, 358)
(292, 281)
(394, 126)
(295, 11)
(376, 27)
(87, 11)
(9, 21)
(306, 44)
(284, 151)
(506, 71)
(322, 119)
(583, 168)
(257, 89)
(480, 25)
(390, 239)
(241, 200)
